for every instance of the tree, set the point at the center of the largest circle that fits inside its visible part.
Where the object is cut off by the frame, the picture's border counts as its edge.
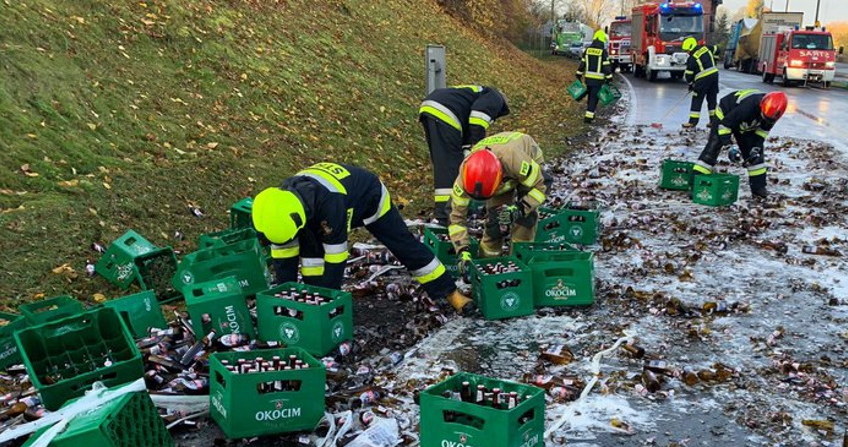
(722, 28)
(839, 30)
(755, 8)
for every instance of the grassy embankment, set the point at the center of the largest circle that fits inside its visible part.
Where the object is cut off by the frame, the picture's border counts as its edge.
(121, 116)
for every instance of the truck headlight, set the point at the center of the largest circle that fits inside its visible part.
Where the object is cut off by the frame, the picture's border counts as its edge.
(830, 64)
(796, 63)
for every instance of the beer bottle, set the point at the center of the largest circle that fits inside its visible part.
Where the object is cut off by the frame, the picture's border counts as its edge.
(650, 380)
(465, 392)
(481, 392)
(634, 351)
(689, 377)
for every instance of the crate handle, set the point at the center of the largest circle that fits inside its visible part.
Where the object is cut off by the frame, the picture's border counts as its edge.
(219, 378)
(681, 170)
(269, 387)
(509, 286)
(340, 310)
(527, 417)
(59, 327)
(576, 218)
(87, 383)
(552, 225)
(559, 272)
(450, 416)
(130, 241)
(705, 182)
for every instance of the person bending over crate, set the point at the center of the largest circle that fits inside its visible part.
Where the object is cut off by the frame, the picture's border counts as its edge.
(505, 170)
(308, 218)
(747, 116)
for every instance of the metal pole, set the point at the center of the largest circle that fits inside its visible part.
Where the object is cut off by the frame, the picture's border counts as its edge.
(787, 6)
(818, 4)
(553, 14)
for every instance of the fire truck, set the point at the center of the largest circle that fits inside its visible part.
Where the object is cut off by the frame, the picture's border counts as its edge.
(798, 56)
(658, 33)
(619, 44)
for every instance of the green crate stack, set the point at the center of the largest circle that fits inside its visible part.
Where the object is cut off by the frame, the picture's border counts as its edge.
(317, 329)
(240, 213)
(715, 189)
(51, 309)
(563, 279)
(446, 421)
(245, 260)
(218, 305)
(243, 406)
(9, 323)
(434, 239)
(574, 223)
(225, 237)
(132, 258)
(526, 250)
(676, 175)
(497, 299)
(139, 311)
(129, 420)
(64, 357)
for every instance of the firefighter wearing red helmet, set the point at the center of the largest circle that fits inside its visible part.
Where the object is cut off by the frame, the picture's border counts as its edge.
(504, 169)
(746, 116)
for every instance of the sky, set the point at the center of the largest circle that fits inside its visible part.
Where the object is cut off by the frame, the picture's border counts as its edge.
(831, 10)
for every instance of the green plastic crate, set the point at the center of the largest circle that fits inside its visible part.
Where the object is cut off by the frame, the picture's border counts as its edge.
(51, 309)
(241, 410)
(676, 175)
(64, 357)
(245, 260)
(526, 250)
(451, 422)
(563, 279)
(240, 213)
(139, 311)
(226, 237)
(117, 265)
(497, 301)
(9, 323)
(220, 305)
(609, 94)
(715, 189)
(444, 250)
(130, 420)
(315, 331)
(570, 224)
(577, 90)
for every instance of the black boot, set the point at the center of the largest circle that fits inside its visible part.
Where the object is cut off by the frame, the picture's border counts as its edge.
(758, 186)
(441, 213)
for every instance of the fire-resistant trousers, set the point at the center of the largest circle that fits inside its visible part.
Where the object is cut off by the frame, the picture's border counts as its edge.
(704, 88)
(445, 143)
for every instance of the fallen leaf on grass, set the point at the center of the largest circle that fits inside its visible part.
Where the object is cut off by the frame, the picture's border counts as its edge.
(99, 298)
(107, 186)
(25, 168)
(68, 183)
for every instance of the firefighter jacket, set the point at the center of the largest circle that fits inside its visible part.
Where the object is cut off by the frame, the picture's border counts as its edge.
(739, 112)
(470, 109)
(336, 199)
(595, 66)
(701, 64)
(521, 160)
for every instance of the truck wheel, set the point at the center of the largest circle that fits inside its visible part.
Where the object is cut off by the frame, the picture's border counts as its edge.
(676, 75)
(768, 78)
(786, 81)
(637, 71)
(652, 75)
(826, 84)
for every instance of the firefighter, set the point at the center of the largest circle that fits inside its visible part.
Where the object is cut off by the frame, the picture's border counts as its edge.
(594, 70)
(454, 119)
(747, 116)
(309, 217)
(702, 75)
(504, 169)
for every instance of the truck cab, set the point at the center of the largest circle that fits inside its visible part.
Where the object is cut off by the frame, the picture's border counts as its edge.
(806, 56)
(658, 32)
(619, 44)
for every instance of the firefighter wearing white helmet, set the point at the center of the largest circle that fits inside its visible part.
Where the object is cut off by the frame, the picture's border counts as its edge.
(702, 75)
(595, 70)
(308, 217)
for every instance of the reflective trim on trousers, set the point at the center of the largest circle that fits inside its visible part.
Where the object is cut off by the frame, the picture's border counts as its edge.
(285, 251)
(429, 272)
(440, 112)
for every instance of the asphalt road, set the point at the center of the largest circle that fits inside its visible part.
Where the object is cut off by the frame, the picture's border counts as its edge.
(814, 113)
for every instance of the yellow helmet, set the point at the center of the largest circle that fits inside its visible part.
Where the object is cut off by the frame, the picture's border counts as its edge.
(600, 35)
(689, 44)
(278, 214)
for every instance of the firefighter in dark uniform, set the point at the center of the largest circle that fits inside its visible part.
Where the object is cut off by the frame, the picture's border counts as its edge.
(594, 70)
(309, 217)
(747, 116)
(454, 119)
(702, 75)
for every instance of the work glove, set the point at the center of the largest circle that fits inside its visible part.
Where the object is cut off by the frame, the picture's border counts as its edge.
(734, 155)
(509, 214)
(691, 88)
(753, 156)
(466, 149)
(464, 263)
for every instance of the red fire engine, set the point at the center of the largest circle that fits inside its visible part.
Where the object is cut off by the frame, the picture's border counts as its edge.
(658, 33)
(798, 55)
(619, 44)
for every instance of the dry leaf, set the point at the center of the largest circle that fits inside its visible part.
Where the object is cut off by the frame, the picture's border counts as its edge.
(69, 183)
(212, 145)
(63, 269)
(92, 126)
(107, 186)
(99, 297)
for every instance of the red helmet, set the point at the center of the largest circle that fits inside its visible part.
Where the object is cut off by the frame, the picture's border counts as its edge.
(481, 174)
(773, 105)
